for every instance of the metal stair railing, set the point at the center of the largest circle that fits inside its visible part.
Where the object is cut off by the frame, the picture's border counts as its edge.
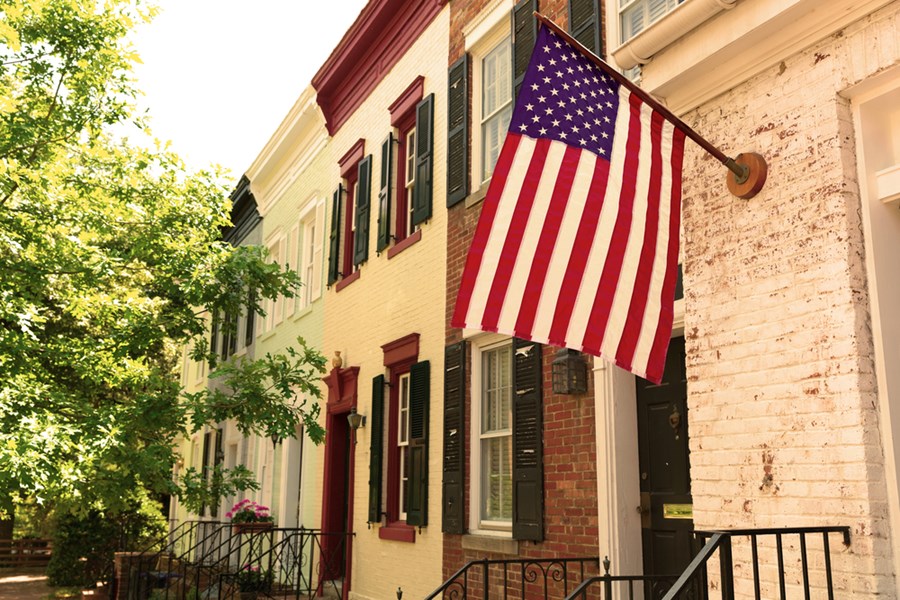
(694, 582)
(517, 579)
(298, 562)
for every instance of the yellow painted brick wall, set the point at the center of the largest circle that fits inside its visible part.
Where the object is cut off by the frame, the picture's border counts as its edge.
(391, 299)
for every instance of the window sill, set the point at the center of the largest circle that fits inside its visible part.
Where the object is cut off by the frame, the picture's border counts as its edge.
(346, 281)
(477, 196)
(302, 312)
(398, 531)
(404, 244)
(490, 543)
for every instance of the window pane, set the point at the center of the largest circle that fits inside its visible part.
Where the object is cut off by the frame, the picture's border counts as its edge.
(496, 104)
(497, 479)
(496, 390)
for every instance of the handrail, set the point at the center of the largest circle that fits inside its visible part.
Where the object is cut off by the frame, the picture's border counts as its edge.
(553, 570)
(696, 564)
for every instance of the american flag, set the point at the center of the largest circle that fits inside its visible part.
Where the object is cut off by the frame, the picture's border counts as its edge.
(577, 243)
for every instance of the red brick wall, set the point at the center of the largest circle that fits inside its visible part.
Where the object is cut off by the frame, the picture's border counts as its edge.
(570, 473)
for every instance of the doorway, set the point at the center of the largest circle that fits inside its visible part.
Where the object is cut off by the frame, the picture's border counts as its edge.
(664, 467)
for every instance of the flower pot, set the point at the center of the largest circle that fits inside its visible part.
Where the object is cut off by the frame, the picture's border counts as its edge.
(252, 527)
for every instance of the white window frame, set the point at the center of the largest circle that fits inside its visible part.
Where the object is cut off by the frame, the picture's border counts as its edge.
(403, 382)
(481, 344)
(484, 34)
(497, 114)
(274, 308)
(626, 6)
(410, 177)
(308, 253)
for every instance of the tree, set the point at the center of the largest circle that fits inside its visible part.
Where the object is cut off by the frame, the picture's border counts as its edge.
(111, 261)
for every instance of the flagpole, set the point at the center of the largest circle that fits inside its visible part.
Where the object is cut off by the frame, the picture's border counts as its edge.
(748, 171)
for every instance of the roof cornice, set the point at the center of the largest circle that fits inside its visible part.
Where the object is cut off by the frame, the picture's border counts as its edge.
(383, 32)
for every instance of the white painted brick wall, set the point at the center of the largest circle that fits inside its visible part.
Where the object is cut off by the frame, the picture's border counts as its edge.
(782, 397)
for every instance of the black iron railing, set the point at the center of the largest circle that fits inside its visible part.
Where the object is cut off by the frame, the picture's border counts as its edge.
(517, 579)
(801, 554)
(299, 563)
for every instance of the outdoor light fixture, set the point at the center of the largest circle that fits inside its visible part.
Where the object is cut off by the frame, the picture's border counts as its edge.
(569, 372)
(355, 419)
(276, 439)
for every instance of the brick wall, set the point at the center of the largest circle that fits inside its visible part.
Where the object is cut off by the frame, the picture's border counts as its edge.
(570, 472)
(784, 428)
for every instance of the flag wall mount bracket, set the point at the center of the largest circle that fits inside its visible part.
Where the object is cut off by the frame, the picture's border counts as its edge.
(755, 172)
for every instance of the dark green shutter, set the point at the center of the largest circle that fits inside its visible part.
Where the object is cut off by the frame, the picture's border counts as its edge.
(458, 132)
(453, 497)
(422, 188)
(251, 319)
(363, 196)
(384, 193)
(218, 459)
(527, 468)
(376, 448)
(205, 468)
(584, 23)
(214, 334)
(524, 27)
(334, 239)
(417, 486)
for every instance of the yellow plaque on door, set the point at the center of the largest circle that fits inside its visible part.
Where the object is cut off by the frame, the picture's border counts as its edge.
(678, 511)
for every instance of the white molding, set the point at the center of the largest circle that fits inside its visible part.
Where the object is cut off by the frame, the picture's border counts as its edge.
(735, 45)
(485, 21)
(874, 216)
(686, 16)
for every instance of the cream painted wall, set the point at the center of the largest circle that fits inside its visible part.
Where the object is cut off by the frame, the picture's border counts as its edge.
(290, 181)
(391, 299)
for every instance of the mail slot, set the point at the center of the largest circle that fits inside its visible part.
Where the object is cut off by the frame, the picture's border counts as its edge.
(678, 511)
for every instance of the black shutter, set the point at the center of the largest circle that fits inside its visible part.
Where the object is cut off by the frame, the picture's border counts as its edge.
(458, 132)
(218, 458)
(251, 319)
(384, 193)
(417, 486)
(376, 448)
(205, 469)
(527, 468)
(334, 239)
(363, 195)
(524, 27)
(214, 336)
(452, 513)
(584, 23)
(422, 188)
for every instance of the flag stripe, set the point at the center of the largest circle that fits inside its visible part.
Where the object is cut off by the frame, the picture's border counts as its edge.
(635, 314)
(650, 318)
(546, 246)
(519, 221)
(482, 232)
(657, 361)
(612, 268)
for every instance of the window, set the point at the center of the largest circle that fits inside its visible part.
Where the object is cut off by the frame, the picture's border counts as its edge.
(349, 236)
(506, 423)
(496, 104)
(404, 197)
(309, 255)
(403, 440)
(400, 404)
(496, 436)
(636, 15)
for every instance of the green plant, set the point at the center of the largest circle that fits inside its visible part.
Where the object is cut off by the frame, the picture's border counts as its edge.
(254, 579)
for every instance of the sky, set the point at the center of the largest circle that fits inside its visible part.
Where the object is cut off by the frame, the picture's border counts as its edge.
(219, 76)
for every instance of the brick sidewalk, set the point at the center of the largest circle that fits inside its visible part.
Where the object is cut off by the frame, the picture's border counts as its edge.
(24, 586)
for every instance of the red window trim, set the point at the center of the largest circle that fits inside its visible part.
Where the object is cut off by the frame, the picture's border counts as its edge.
(398, 531)
(350, 160)
(346, 281)
(402, 197)
(407, 101)
(350, 178)
(399, 356)
(404, 244)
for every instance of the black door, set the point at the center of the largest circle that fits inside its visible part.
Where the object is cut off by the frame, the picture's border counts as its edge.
(666, 509)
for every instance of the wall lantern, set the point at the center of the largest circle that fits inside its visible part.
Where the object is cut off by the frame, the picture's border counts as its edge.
(569, 372)
(355, 419)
